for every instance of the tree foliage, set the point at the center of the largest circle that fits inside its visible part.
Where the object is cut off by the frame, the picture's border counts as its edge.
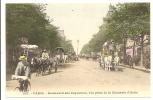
(31, 22)
(122, 21)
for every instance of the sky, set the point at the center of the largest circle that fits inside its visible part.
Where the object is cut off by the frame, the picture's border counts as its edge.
(80, 21)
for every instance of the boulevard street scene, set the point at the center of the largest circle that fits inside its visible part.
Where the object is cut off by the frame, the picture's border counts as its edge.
(78, 50)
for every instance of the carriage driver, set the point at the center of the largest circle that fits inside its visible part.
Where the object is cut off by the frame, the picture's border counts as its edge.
(44, 56)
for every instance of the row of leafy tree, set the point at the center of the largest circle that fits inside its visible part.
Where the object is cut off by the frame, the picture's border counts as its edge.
(31, 21)
(123, 21)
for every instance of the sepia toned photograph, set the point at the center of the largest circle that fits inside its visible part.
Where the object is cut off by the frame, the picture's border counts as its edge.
(78, 49)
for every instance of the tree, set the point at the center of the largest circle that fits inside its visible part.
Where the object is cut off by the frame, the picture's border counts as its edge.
(123, 21)
(29, 21)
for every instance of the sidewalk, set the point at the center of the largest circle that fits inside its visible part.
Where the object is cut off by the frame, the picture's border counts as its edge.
(141, 68)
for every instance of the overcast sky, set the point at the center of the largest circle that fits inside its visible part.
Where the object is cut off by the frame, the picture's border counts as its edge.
(79, 21)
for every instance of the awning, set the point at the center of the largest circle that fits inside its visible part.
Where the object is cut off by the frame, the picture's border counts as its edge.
(26, 46)
(59, 48)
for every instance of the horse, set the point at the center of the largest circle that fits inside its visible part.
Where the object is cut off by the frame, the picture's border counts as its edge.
(116, 60)
(65, 57)
(36, 65)
(40, 66)
(52, 64)
(108, 62)
(101, 61)
(59, 58)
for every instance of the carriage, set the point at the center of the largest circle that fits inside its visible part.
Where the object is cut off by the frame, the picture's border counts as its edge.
(36, 63)
(59, 54)
(29, 50)
(107, 58)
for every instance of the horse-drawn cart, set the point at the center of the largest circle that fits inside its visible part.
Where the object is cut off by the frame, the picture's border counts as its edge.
(107, 59)
(59, 54)
(29, 50)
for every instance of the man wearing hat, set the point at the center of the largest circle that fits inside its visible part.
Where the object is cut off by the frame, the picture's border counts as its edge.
(45, 55)
(22, 68)
(22, 73)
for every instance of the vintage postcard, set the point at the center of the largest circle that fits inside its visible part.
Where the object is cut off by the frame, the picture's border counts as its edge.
(77, 49)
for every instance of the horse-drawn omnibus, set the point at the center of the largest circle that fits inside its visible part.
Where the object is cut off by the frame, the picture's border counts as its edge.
(107, 57)
(29, 51)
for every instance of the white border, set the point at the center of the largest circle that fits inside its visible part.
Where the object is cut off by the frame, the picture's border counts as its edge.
(3, 52)
(71, 1)
(151, 46)
(3, 46)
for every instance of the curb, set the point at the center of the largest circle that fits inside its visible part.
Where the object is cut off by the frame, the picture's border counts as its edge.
(136, 68)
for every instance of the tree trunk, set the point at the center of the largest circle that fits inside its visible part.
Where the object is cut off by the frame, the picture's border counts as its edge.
(10, 59)
(141, 61)
(124, 50)
(134, 52)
